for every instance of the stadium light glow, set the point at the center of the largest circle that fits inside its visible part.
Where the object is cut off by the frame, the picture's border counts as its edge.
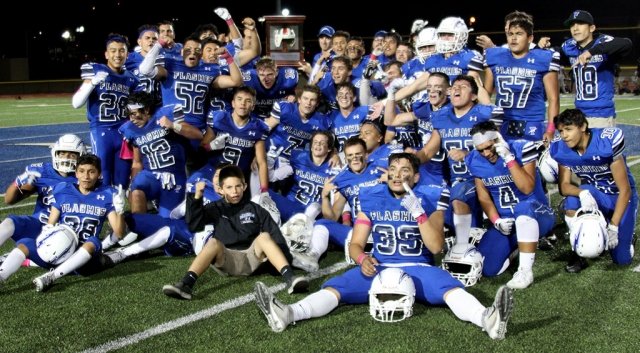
(285, 12)
(66, 35)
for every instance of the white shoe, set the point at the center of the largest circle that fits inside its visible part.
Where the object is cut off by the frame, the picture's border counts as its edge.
(521, 279)
(43, 282)
(495, 317)
(305, 260)
(278, 314)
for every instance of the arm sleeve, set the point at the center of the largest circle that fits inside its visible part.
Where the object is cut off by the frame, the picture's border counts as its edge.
(614, 48)
(81, 95)
(148, 65)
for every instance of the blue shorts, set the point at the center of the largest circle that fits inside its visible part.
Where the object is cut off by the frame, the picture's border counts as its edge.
(147, 182)
(180, 240)
(106, 144)
(26, 227)
(431, 284)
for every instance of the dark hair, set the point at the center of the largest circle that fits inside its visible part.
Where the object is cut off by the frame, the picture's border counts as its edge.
(470, 80)
(518, 15)
(90, 159)
(393, 35)
(344, 34)
(442, 75)
(354, 141)
(349, 85)
(325, 133)
(413, 160)
(165, 22)
(147, 27)
(192, 37)
(310, 88)
(118, 38)
(571, 117)
(206, 27)
(388, 65)
(243, 88)
(357, 39)
(345, 60)
(230, 171)
(524, 24)
(483, 127)
(211, 40)
(377, 123)
(143, 98)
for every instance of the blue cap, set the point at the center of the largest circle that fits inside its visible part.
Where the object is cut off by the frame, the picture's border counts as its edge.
(380, 34)
(327, 31)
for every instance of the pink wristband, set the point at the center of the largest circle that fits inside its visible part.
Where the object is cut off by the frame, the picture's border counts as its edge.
(361, 258)
(264, 188)
(551, 128)
(229, 22)
(346, 217)
(511, 164)
(362, 221)
(423, 218)
(495, 218)
(162, 43)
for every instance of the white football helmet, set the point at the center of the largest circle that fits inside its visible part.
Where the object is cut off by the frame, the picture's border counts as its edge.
(368, 249)
(464, 262)
(548, 167)
(267, 203)
(55, 245)
(426, 37)
(475, 235)
(297, 231)
(588, 234)
(284, 34)
(392, 290)
(70, 143)
(201, 238)
(457, 27)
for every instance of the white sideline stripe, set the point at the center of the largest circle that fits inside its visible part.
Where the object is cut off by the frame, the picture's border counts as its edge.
(25, 159)
(30, 137)
(40, 105)
(214, 310)
(626, 110)
(16, 206)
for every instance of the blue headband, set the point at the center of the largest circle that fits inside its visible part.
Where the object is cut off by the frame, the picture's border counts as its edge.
(116, 39)
(147, 30)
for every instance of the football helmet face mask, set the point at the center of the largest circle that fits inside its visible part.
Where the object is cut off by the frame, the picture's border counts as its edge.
(56, 244)
(68, 143)
(426, 37)
(297, 231)
(588, 234)
(286, 35)
(548, 167)
(268, 204)
(475, 235)
(464, 262)
(392, 295)
(460, 32)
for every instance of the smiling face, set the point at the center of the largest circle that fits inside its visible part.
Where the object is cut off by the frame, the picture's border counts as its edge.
(192, 53)
(437, 88)
(307, 104)
(355, 50)
(325, 43)
(87, 175)
(208, 53)
(320, 146)
(371, 136)
(339, 45)
(404, 53)
(116, 54)
(339, 72)
(390, 46)
(346, 98)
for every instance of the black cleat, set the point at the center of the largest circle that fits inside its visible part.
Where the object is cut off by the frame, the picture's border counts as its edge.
(576, 263)
(178, 291)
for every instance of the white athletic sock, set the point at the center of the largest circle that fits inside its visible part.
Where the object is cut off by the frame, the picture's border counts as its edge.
(569, 221)
(526, 260)
(505, 266)
(462, 225)
(153, 241)
(465, 306)
(12, 263)
(319, 240)
(109, 241)
(315, 305)
(77, 260)
(7, 228)
(313, 210)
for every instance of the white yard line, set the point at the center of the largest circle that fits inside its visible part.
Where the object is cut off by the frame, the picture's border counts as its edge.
(16, 206)
(203, 314)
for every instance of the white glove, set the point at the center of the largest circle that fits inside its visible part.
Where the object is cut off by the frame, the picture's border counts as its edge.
(376, 52)
(272, 155)
(381, 77)
(219, 142)
(99, 78)
(587, 202)
(46, 227)
(418, 25)
(128, 239)
(395, 85)
(502, 149)
(223, 13)
(27, 178)
(411, 203)
(612, 236)
(168, 180)
(118, 200)
(504, 225)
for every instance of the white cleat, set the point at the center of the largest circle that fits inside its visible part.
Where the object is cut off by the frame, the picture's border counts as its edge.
(521, 279)
(43, 282)
(305, 260)
(278, 314)
(495, 317)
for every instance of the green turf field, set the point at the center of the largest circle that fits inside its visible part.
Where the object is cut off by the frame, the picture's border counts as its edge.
(124, 308)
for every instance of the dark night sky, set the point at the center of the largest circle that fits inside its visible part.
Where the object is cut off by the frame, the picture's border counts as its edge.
(356, 17)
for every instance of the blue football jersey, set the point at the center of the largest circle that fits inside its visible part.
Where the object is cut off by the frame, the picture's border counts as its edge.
(175, 52)
(595, 82)
(292, 132)
(147, 84)
(84, 213)
(432, 172)
(380, 156)
(519, 87)
(594, 166)
(189, 87)
(210, 194)
(349, 184)
(499, 181)
(107, 103)
(457, 64)
(344, 127)
(412, 69)
(358, 70)
(162, 149)
(284, 86)
(44, 185)
(455, 132)
(250, 65)
(396, 236)
(329, 92)
(308, 178)
(240, 144)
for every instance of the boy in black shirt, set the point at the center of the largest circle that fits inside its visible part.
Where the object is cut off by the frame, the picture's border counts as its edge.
(245, 237)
